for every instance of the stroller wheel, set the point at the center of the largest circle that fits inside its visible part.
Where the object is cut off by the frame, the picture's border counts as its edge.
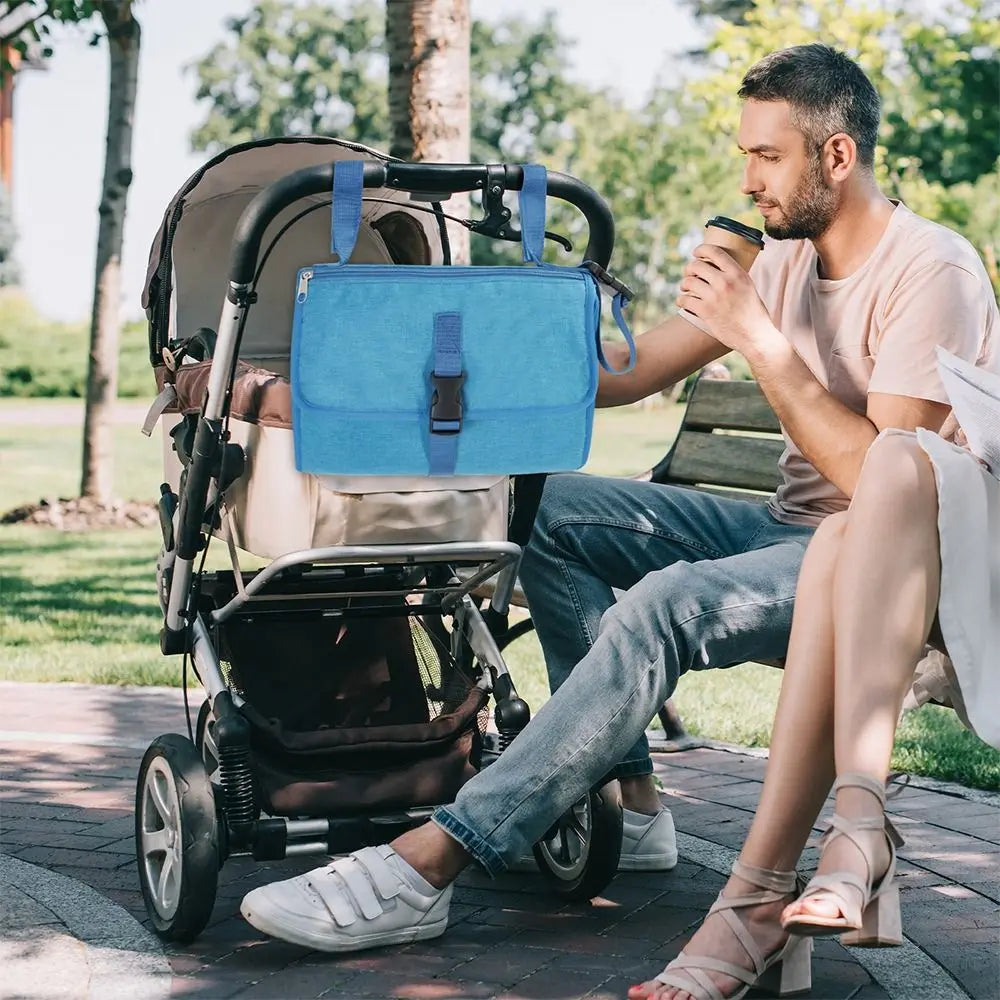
(204, 740)
(176, 838)
(579, 854)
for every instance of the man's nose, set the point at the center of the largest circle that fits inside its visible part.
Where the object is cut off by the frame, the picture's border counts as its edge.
(751, 182)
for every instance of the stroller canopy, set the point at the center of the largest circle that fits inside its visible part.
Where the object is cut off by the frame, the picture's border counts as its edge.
(187, 276)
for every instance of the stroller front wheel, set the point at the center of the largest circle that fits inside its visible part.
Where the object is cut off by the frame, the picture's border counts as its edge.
(176, 838)
(579, 854)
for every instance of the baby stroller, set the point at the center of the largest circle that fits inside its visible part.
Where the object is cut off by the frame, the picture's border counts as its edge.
(347, 664)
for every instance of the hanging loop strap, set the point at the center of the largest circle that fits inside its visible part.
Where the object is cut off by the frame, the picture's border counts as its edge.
(618, 304)
(531, 202)
(348, 183)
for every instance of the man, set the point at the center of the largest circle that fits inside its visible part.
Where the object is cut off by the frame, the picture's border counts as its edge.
(838, 321)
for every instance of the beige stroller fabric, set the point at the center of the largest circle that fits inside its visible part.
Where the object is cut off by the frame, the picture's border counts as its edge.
(273, 509)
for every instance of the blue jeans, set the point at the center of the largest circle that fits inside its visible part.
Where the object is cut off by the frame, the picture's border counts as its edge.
(708, 582)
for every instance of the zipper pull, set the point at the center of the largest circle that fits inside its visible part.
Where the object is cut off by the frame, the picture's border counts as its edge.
(303, 286)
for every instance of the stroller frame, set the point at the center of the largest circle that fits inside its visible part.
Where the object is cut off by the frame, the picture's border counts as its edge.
(217, 818)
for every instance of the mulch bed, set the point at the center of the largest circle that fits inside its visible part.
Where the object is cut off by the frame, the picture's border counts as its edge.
(83, 514)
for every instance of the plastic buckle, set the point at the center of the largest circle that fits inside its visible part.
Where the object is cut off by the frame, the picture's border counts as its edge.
(446, 403)
(607, 279)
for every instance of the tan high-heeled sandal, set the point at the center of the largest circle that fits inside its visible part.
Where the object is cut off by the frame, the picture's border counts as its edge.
(869, 918)
(785, 972)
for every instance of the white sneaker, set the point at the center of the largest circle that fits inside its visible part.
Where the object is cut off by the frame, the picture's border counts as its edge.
(649, 844)
(361, 901)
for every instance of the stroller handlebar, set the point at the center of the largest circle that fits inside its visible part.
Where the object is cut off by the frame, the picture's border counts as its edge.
(424, 177)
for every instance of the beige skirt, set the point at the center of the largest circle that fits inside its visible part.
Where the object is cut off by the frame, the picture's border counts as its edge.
(969, 605)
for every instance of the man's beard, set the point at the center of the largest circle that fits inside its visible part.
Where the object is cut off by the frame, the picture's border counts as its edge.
(810, 208)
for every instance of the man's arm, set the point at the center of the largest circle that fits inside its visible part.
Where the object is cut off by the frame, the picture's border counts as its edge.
(831, 436)
(663, 356)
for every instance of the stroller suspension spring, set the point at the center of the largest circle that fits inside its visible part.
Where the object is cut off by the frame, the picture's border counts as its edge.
(232, 737)
(237, 782)
(506, 737)
(511, 713)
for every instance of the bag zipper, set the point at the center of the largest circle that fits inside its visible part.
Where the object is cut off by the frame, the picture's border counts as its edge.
(360, 272)
(303, 291)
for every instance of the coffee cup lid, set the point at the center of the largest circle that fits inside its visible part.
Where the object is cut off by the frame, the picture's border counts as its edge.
(747, 232)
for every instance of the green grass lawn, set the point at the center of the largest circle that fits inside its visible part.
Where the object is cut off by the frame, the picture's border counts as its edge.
(82, 606)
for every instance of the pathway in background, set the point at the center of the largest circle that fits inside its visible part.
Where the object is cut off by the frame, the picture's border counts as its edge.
(66, 413)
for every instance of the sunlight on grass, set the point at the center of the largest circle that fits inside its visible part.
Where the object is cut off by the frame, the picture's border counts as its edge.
(737, 706)
(47, 460)
(80, 607)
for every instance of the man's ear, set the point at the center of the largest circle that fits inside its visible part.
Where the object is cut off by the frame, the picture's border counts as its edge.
(840, 157)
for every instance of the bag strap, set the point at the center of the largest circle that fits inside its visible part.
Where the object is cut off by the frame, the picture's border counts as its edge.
(447, 379)
(345, 218)
(618, 304)
(531, 202)
(348, 184)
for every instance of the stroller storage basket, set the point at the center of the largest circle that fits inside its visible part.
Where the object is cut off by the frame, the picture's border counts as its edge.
(366, 714)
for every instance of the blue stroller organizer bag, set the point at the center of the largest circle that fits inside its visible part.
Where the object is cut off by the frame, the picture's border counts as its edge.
(427, 370)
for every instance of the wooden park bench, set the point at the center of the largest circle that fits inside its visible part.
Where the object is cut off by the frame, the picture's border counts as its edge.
(729, 443)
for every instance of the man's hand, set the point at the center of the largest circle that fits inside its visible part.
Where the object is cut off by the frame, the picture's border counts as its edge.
(720, 293)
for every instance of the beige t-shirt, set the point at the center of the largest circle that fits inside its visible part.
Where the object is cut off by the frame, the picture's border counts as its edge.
(874, 331)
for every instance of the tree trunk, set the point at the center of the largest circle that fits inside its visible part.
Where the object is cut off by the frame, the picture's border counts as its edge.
(428, 43)
(105, 322)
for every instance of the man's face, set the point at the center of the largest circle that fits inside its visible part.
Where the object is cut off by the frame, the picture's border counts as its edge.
(782, 175)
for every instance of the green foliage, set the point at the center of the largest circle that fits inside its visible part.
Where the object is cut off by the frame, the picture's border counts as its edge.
(520, 95)
(29, 22)
(39, 357)
(669, 165)
(296, 69)
(734, 11)
(946, 116)
(938, 79)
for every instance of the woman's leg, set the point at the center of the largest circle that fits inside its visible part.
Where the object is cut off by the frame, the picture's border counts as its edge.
(884, 601)
(799, 769)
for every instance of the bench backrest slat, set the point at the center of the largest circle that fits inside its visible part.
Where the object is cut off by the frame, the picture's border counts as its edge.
(749, 463)
(730, 406)
(706, 457)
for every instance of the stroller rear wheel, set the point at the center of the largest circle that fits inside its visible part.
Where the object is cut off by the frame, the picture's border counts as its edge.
(579, 854)
(176, 838)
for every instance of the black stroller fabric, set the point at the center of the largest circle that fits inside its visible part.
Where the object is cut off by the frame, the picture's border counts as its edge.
(353, 716)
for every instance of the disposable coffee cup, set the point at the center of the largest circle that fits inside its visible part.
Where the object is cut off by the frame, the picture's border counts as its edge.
(742, 243)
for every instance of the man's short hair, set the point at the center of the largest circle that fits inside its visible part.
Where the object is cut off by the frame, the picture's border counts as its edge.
(827, 91)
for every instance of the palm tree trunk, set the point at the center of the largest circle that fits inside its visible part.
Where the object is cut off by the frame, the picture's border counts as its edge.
(102, 370)
(428, 43)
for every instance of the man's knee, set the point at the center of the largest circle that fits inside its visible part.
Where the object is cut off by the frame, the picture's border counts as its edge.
(647, 618)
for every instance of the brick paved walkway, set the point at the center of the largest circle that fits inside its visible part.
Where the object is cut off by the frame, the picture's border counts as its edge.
(70, 756)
